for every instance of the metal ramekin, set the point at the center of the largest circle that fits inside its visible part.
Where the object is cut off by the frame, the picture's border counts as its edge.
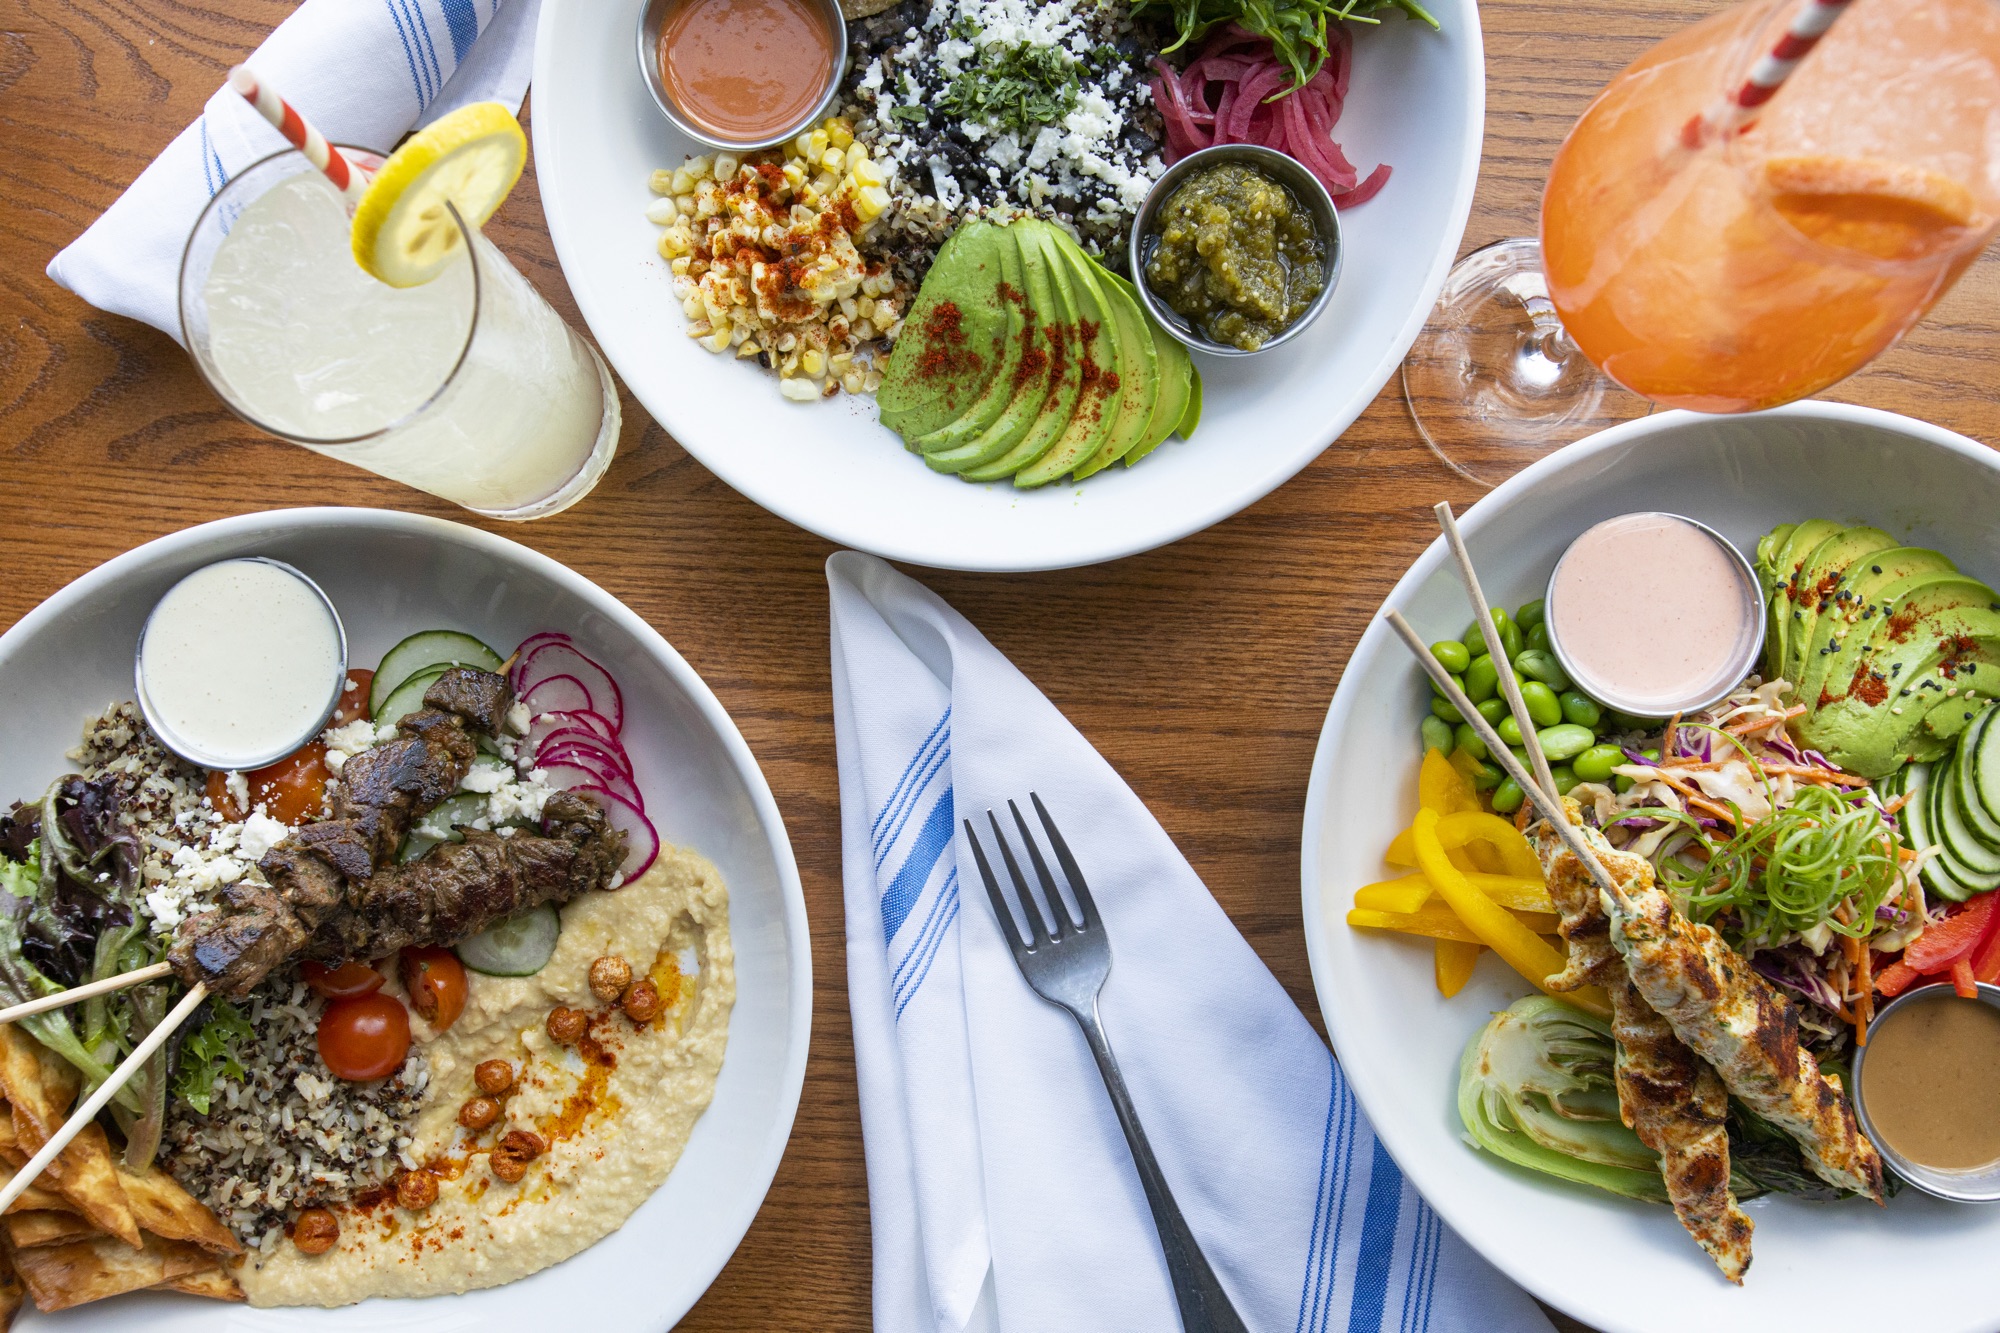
(653, 15)
(1288, 171)
(180, 745)
(1648, 709)
(1967, 1185)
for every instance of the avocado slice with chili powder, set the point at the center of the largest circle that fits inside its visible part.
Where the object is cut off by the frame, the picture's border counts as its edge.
(1850, 620)
(1058, 343)
(1027, 380)
(977, 422)
(1139, 365)
(945, 358)
(1095, 348)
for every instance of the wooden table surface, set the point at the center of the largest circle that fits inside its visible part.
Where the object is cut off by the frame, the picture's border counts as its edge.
(1201, 671)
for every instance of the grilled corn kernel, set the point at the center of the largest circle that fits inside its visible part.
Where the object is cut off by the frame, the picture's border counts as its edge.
(662, 211)
(661, 181)
(864, 305)
(795, 175)
(718, 341)
(725, 166)
(816, 145)
(813, 362)
(864, 172)
(738, 334)
(847, 307)
(839, 362)
(748, 347)
(693, 309)
(698, 328)
(799, 390)
(870, 202)
(833, 161)
(852, 381)
(788, 342)
(802, 146)
(872, 381)
(681, 265)
(862, 329)
(893, 330)
(856, 152)
(838, 132)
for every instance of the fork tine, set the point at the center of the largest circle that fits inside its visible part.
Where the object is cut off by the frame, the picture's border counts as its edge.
(1000, 909)
(1021, 889)
(1068, 863)
(1059, 917)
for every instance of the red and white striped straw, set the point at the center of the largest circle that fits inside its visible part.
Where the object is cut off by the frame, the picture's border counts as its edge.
(350, 179)
(1802, 34)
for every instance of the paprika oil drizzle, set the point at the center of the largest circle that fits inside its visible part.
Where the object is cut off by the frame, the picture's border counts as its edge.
(746, 69)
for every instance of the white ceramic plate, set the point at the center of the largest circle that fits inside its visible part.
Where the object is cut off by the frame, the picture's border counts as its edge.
(1418, 103)
(1617, 1265)
(390, 574)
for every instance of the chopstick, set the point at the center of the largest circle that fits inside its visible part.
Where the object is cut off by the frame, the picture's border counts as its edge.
(1482, 614)
(84, 992)
(1545, 800)
(95, 1103)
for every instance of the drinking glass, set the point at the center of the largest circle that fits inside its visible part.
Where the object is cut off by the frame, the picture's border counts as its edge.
(1724, 260)
(469, 386)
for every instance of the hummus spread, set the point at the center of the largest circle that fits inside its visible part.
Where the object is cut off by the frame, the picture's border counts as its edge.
(615, 1108)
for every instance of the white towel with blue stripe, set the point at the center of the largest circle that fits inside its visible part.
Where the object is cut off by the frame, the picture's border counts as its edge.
(366, 72)
(1002, 1194)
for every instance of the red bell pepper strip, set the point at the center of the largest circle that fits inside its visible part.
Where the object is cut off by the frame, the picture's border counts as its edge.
(1894, 979)
(1986, 960)
(1945, 942)
(1961, 979)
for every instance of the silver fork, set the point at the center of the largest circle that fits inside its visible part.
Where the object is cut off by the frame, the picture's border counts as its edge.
(1066, 961)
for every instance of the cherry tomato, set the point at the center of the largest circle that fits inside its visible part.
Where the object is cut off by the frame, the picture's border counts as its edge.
(435, 980)
(291, 791)
(364, 1037)
(339, 983)
(354, 700)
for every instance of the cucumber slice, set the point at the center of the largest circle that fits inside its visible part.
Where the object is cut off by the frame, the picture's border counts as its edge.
(424, 649)
(1984, 823)
(1982, 760)
(450, 815)
(520, 946)
(408, 697)
(1966, 847)
(1951, 840)
(1913, 781)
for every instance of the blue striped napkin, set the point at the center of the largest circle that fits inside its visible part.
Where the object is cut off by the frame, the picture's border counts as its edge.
(366, 72)
(1001, 1191)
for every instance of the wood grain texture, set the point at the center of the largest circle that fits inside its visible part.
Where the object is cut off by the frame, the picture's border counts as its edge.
(1201, 671)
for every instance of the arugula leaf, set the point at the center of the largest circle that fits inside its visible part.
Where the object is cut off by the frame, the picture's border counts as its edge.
(1297, 28)
(210, 1054)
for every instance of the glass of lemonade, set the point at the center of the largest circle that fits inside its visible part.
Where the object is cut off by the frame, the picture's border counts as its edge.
(469, 386)
(1728, 272)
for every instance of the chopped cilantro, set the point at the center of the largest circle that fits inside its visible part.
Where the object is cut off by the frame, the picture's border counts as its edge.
(1020, 87)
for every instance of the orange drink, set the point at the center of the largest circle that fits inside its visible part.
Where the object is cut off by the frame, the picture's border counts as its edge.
(1726, 270)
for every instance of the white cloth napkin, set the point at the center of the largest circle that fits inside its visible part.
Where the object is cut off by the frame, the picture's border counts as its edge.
(1002, 1193)
(365, 71)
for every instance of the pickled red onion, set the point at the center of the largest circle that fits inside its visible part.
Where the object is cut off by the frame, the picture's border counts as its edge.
(1225, 96)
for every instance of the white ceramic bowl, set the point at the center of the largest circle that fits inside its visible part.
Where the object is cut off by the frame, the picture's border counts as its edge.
(1620, 1266)
(390, 574)
(1417, 102)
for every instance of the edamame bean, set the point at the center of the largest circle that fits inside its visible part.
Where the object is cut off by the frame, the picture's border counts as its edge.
(1475, 642)
(1492, 710)
(1507, 797)
(1625, 784)
(1437, 734)
(1468, 740)
(1510, 639)
(1438, 693)
(1596, 763)
(1444, 712)
(1565, 741)
(1486, 777)
(1565, 777)
(1537, 635)
(1581, 709)
(1543, 706)
(1530, 615)
(1541, 664)
(1452, 655)
(1626, 722)
(1482, 678)
(1509, 729)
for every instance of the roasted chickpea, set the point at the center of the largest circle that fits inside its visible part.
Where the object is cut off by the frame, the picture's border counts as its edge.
(507, 1166)
(642, 1002)
(478, 1113)
(416, 1190)
(609, 976)
(315, 1232)
(523, 1143)
(565, 1024)
(494, 1077)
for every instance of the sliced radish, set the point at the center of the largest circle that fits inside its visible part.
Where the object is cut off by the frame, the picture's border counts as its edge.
(545, 723)
(556, 694)
(643, 843)
(574, 775)
(554, 658)
(561, 742)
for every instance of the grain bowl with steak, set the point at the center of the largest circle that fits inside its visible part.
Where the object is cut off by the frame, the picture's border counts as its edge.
(463, 1007)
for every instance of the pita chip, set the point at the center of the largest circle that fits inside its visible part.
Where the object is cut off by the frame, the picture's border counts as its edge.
(12, 1292)
(215, 1284)
(165, 1209)
(40, 1086)
(43, 1226)
(59, 1276)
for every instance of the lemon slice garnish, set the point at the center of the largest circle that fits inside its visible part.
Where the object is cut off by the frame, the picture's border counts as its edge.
(470, 159)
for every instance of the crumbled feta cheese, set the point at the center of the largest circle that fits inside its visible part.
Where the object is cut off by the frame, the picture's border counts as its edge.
(483, 778)
(238, 787)
(521, 800)
(260, 834)
(518, 718)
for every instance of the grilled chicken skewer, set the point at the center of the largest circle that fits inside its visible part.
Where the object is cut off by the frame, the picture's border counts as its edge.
(1676, 1104)
(1723, 1010)
(333, 892)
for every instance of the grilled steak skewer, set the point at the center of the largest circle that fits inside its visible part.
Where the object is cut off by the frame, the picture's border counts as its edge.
(1666, 1095)
(326, 897)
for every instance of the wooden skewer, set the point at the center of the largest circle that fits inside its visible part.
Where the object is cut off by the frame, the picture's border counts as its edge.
(1545, 801)
(84, 992)
(95, 1103)
(1482, 613)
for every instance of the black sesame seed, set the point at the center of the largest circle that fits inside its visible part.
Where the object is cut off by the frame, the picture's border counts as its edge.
(1875, 569)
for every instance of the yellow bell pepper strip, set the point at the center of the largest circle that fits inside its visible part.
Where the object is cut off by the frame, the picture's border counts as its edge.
(1441, 787)
(1452, 962)
(1491, 924)
(1402, 852)
(1475, 828)
(1439, 922)
(1410, 892)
